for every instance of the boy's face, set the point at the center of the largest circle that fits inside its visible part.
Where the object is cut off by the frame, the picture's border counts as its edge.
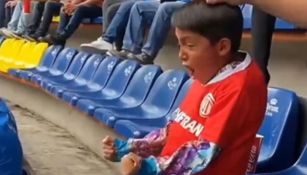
(198, 55)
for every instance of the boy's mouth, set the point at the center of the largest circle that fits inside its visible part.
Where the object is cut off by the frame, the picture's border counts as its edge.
(189, 69)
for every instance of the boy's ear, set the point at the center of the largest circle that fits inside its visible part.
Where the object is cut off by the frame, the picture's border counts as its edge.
(224, 47)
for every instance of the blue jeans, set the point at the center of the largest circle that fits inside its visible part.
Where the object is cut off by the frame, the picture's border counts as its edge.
(51, 9)
(68, 24)
(21, 21)
(141, 16)
(2, 13)
(161, 23)
(116, 29)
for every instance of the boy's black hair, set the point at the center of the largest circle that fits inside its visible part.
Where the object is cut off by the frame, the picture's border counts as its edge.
(214, 22)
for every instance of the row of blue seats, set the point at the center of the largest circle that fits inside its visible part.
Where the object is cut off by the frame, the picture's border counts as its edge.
(134, 99)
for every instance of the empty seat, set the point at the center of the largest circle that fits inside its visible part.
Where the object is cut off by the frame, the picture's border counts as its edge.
(134, 95)
(92, 78)
(46, 62)
(299, 168)
(156, 106)
(90, 65)
(71, 73)
(115, 86)
(279, 129)
(60, 66)
(133, 129)
(29, 60)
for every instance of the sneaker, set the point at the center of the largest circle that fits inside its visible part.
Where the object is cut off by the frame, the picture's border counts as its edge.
(120, 54)
(16, 35)
(143, 58)
(98, 46)
(6, 33)
(29, 38)
(54, 39)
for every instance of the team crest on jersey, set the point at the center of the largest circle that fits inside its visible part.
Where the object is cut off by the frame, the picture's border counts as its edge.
(206, 105)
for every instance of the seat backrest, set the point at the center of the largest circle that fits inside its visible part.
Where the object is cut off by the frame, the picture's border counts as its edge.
(15, 49)
(37, 53)
(89, 67)
(6, 46)
(76, 65)
(64, 59)
(50, 56)
(103, 72)
(279, 127)
(120, 78)
(165, 89)
(141, 82)
(25, 51)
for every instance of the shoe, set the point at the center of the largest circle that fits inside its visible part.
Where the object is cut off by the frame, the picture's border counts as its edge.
(54, 39)
(97, 46)
(29, 38)
(32, 37)
(121, 54)
(6, 32)
(16, 35)
(143, 58)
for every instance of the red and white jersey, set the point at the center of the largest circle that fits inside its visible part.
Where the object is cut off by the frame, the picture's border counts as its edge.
(227, 111)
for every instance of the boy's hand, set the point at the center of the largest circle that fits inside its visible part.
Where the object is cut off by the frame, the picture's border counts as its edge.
(232, 2)
(108, 148)
(131, 164)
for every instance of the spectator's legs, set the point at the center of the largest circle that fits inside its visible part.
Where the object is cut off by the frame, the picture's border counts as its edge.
(116, 29)
(262, 31)
(142, 13)
(75, 20)
(25, 20)
(8, 15)
(38, 10)
(159, 28)
(2, 13)
(51, 9)
(12, 25)
(108, 11)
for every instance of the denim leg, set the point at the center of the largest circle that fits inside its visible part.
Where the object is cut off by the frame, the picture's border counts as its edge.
(64, 19)
(38, 10)
(25, 20)
(116, 29)
(77, 17)
(109, 9)
(12, 25)
(159, 28)
(51, 9)
(141, 14)
(2, 13)
(8, 15)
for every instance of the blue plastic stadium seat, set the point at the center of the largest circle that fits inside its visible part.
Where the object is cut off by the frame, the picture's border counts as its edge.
(11, 155)
(59, 67)
(156, 106)
(89, 79)
(132, 129)
(279, 129)
(71, 73)
(47, 61)
(299, 168)
(115, 86)
(134, 95)
(90, 65)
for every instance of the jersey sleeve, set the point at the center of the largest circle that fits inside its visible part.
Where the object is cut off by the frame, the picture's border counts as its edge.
(191, 158)
(151, 144)
(227, 117)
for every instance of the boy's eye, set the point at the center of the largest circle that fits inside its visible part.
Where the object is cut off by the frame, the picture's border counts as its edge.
(190, 45)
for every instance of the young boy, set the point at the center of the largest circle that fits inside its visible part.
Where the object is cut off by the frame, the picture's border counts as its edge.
(213, 129)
